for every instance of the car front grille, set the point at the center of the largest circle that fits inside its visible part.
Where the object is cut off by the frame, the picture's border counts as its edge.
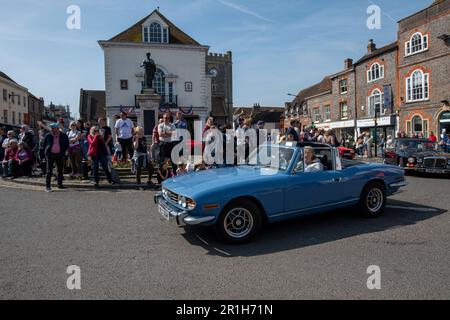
(435, 163)
(172, 196)
(429, 163)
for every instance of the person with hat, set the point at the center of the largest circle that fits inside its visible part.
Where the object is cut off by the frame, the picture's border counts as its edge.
(62, 125)
(124, 135)
(260, 126)
(55, 146)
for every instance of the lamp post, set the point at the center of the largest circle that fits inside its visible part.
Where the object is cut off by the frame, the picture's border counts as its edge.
(375, 139)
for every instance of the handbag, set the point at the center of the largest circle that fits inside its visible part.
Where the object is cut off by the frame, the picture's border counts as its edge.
(73, 149)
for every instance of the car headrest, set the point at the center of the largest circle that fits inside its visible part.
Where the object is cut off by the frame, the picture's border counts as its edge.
(323, 159)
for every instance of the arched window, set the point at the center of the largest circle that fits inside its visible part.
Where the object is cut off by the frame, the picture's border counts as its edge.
(375, 72)
(155, 33)
(417, 43)
(159, 82)
(417, 86)
(376, 104)
(417, 125)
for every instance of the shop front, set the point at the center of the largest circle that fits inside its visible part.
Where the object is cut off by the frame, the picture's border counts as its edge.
(384, 126)
(444, 122)
(344, 130)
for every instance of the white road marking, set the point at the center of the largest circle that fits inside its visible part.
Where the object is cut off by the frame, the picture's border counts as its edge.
(223, 252)
(413, 208)
(218, 250)
(202, 240)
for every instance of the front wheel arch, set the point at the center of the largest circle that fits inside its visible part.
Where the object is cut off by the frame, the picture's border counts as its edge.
(251, 199)
(364, 211)
(254, 219)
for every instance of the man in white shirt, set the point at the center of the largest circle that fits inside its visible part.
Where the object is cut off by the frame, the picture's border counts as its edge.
(166, 130)
(124, 134)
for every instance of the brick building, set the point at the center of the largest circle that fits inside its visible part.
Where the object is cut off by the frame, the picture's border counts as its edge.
(343, 113)
(35, 111)
(376, 83)
(329, 104)
(403, 86)
(424, 69)
(92, 105)
(309, 103)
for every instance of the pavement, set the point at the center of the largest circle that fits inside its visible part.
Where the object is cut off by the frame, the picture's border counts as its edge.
(125, 251)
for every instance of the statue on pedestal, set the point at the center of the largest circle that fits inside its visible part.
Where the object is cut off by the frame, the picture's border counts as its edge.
(150, 70)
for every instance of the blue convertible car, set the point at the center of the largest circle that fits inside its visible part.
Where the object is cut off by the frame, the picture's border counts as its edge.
(306, 178)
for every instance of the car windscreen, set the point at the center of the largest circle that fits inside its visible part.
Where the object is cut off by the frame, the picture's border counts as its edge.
(271, 156)
(416, 144)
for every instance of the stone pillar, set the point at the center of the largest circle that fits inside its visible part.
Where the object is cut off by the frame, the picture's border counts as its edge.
(149, 110)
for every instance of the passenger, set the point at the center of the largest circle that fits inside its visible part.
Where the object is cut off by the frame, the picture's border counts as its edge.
(312, 164)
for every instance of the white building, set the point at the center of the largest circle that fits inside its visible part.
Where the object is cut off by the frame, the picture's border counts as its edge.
(182, 79)
(13, 103)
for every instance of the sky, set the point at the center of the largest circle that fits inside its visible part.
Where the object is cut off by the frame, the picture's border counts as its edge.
(279, 47)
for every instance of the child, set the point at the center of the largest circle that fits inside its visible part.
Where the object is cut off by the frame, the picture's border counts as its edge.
(182, 169)
(201, 167)
(140, 156)
(117, 153)
(165, 171)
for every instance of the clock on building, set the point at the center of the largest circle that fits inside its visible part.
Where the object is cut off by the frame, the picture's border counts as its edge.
(213, 72)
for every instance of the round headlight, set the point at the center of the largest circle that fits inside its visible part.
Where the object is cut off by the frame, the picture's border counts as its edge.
(411, 160)
(419, 160)
(182, 202)
(448, 162)
(164, 192)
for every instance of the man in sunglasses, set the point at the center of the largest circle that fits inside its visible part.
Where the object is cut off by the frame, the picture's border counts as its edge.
(124, 134)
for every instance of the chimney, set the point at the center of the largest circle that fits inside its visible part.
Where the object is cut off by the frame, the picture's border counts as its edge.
(371, 47)
(348, 63)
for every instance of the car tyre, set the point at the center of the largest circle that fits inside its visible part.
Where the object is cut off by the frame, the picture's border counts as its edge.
(373, 200)
(239, 222)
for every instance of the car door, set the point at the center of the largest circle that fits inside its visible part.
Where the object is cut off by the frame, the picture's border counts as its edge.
(306, 191)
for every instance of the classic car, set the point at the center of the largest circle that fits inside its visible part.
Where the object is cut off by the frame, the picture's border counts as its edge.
(346, 153)
(237, 200)
(418, 155)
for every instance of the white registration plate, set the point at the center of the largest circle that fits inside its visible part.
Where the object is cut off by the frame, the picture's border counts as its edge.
(164, 213)
(434, 171)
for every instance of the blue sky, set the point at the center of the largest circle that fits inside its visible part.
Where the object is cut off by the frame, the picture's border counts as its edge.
(278, 47)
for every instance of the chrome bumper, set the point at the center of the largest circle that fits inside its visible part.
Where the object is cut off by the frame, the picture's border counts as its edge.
(181, 217)
(398, 184)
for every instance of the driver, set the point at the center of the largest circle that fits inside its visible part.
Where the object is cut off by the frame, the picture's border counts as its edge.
(312, 164)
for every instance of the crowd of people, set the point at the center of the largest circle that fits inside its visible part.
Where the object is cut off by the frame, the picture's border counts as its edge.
(82, 147)
(77, 147)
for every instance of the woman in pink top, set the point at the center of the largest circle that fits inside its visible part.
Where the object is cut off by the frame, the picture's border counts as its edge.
(23, 161)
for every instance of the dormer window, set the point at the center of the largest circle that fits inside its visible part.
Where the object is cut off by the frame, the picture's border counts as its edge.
(155, 33)
(375, 72)
(418, 43)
